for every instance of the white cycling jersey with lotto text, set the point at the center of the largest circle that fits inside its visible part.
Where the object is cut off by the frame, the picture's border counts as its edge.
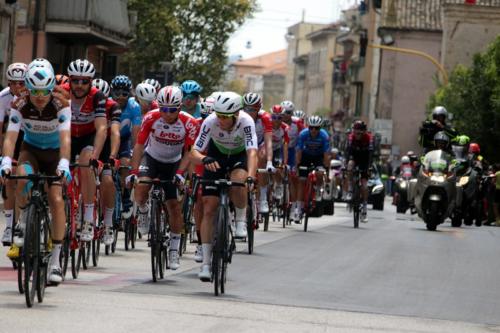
(242, 136)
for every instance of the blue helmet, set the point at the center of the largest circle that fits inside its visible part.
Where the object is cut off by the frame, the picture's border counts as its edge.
(191, 87)
(121, 82)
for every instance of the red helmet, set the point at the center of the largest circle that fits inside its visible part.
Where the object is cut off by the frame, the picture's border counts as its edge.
(277, 109)
(61, 79)
(474, 148)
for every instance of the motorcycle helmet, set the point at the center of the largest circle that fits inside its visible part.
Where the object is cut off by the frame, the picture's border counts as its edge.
(441, 140)
(474, 148)
(405, 160)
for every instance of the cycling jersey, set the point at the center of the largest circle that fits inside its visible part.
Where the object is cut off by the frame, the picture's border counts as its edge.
(131, 116)
(242, 136)
(197, 111)
(165, 142)
(280, 136)
(263, 124)
(313, 146)
(84, 115)
(363, 145)
(296, 126)
(41, 129)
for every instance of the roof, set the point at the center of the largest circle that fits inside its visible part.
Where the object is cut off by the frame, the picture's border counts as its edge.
(420, 14)
(274, 62)
(330, 29)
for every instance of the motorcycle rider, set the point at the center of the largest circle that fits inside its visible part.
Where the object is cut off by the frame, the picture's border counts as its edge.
(430, 128)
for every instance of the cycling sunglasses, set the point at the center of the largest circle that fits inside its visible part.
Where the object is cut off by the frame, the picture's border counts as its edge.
(190, 97)
(277, 116)
(169, 109)
(16, 83)
(251, 109)
(80, 81)
(224, 115)
(316, 128)
(40, 92)
(120, 93)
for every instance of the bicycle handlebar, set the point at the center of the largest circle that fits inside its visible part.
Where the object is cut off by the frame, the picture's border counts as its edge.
(223, 182)
(34, 177)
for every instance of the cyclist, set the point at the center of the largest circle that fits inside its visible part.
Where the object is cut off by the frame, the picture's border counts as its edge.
(359, 152)
(429, 128)
(108, 155)
(130, 125)
(46, 118)
(88, 134)
(227, 142)
(145, 95)
(161, 152)
(280, 146)
(154, 83)
(252, 104)
(296, 124)
(191, 91)
(15, 75)
(477, 160)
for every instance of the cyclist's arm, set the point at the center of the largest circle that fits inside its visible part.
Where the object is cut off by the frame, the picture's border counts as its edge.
(115, 140)
(285, 153)
(196, 157)
(298, 157)
(252, 162)
(100, 135)
(64, 128)
(268, 141)
(12, 132)
(137, 156)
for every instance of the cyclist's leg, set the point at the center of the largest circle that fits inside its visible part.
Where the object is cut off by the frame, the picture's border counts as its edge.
(210, 200)
(167, 172)
(125, 154)
(293, 182)
(239, 199)
(147, 171)
(363, 165)
(263, 181)
(198, 217)
(9, 201)
(347, 189)
(87, 187)
(108, 191)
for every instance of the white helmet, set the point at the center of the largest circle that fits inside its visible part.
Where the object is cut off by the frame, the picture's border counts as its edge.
(38, 78)
(154, 83)
(102, 86)
(81, 67)
(146, 92)
(16, 71)
(314, 121)
(405, 159)
(252, 99)
(288, 106)
(169, 96)
(228, 102)
(209, 103)
(299, 114)
(40, 62)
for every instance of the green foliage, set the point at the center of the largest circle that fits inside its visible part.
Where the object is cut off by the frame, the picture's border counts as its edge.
(473, 96)
(191, 34)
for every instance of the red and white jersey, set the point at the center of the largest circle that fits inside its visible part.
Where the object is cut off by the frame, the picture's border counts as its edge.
(165, 142)
(263, 124)
(296, 126)
(280, 136)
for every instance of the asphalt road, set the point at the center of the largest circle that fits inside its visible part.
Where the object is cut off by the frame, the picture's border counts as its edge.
(389, 275)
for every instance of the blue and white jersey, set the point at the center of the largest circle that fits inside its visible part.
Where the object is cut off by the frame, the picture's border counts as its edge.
(131, 116)
(41, 129)
(313, 147)
(197, 111)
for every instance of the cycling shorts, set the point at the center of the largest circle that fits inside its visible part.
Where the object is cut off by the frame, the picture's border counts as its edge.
(307, 161)
(291, 157)
(80, 143)
(125, 150)
(44, 161)
(152, 168)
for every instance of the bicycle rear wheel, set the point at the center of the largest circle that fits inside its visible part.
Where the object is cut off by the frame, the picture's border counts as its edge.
(154, 240)
(31, 252)
(355, 204)
(251, 215)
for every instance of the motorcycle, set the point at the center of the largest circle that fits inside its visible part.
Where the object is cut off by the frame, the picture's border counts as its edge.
(332, 189)
(468, 203)
(435, 189)
(401, 191)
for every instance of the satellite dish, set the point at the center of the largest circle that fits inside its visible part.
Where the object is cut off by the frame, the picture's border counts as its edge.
(249, 44)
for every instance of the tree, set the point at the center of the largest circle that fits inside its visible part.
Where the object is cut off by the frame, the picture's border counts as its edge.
(190, 34)
(473, 96)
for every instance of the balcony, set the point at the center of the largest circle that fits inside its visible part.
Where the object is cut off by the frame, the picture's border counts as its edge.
(89, 21)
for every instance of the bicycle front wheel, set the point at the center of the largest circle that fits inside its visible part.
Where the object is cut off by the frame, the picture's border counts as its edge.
(219, 250)
(31, 253)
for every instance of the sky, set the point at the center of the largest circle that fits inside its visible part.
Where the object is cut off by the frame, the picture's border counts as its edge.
(266, 31)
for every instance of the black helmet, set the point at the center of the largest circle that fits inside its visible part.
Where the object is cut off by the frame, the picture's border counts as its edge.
(359, 125)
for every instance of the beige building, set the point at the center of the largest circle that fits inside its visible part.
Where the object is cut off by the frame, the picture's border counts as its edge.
(445, 29)
(264, 75)
(64, 30)
(299, 47)
(318, 81)
(7, 38)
